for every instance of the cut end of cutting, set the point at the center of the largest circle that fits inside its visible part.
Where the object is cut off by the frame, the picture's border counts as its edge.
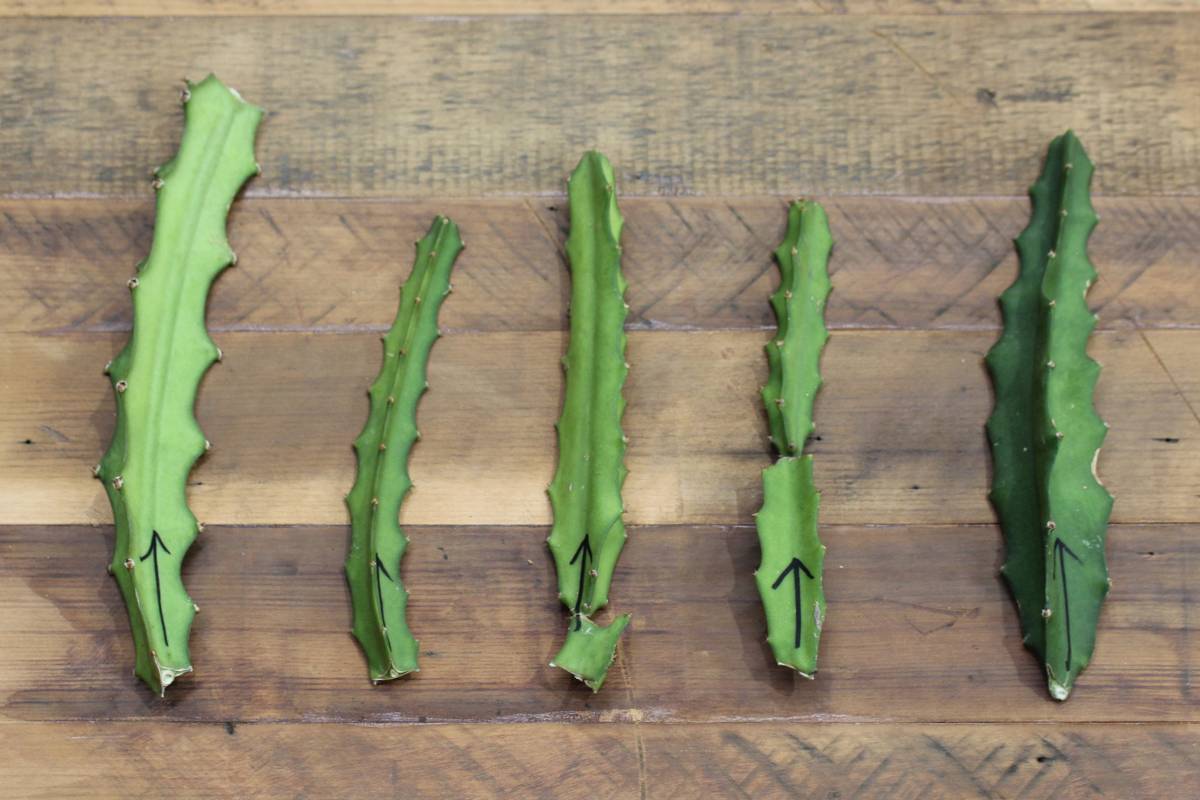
(590, 650)
(810, 675)
(167, 675)
(393, 672)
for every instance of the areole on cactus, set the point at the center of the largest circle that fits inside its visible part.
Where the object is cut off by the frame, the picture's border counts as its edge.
(155, 378)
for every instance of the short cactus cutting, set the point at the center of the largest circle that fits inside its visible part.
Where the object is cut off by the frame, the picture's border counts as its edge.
(377, 543)
(1044, 432)
(789, 574)
(588, 531)
(155, 377)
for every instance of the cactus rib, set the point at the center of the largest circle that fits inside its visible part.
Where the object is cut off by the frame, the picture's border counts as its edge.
(789, 576)
(377, 543)
(588, 531)
(156, 439)
(1044, 432)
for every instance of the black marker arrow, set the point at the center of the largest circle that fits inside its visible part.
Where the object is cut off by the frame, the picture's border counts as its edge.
(795, 568)
(1060, 547)
(381, 570)
(155, 543)
(582, 554)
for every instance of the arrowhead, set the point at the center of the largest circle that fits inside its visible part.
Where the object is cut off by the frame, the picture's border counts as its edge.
(794, 566)
(584, 548)
(1060, 546)
(155, 543)
(379, 566)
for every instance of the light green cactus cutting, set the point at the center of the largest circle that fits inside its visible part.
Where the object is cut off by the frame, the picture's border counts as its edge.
(155, 378)
(789, 575)
(588, 531)
(377, 543)
(1044, 431)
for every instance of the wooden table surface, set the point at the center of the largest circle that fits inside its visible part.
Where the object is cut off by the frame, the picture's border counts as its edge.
(919, 123)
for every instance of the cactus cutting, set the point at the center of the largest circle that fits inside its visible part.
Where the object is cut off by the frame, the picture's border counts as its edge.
(790, 571)
(1045, 433)
(155, 378)
(377, 543)
(588, 531)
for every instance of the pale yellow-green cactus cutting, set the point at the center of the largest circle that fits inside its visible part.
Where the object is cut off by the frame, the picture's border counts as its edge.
(155, 378)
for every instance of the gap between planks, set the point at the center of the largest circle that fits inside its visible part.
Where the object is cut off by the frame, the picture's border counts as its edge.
(469, 8)
(613, 720)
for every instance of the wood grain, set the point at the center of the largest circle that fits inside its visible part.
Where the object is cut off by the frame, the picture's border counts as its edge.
(897, 762)
(161, 8)
(919, 123)
(692, 263)
(413, 106)
(920, 629)
(539, 761)
(900, 422)
(1180, 359)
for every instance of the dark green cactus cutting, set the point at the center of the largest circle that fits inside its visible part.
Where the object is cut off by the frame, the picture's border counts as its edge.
(155, 378)
(588, 531)
(1044, 431)
(377, 543)
(789, 575)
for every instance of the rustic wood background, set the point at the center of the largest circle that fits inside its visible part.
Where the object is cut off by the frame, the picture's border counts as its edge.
(919, 122)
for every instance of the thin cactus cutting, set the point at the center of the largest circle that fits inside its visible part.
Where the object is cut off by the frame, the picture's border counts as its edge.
(588, 531)
(789, 575)
(156, 376)
(1044, 431)
(377, 543)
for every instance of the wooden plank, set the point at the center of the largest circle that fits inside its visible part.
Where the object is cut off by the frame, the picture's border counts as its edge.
(146, 8)
(286, 761)
(920, 629)
(900, 423)
(692, 263)
(536, 761)
(1180, 359)
(409, 106)
(919, 763)
(142, 8)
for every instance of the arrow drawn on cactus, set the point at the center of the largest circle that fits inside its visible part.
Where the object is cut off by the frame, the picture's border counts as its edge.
(381, 570)
(582, 554)
(1060, 547)
(155, 543)
(795, 568)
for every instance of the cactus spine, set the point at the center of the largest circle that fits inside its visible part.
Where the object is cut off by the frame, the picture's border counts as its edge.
(789, 574)
(1044, 432)
(377, 543)
(155, 378)
(588, 531)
